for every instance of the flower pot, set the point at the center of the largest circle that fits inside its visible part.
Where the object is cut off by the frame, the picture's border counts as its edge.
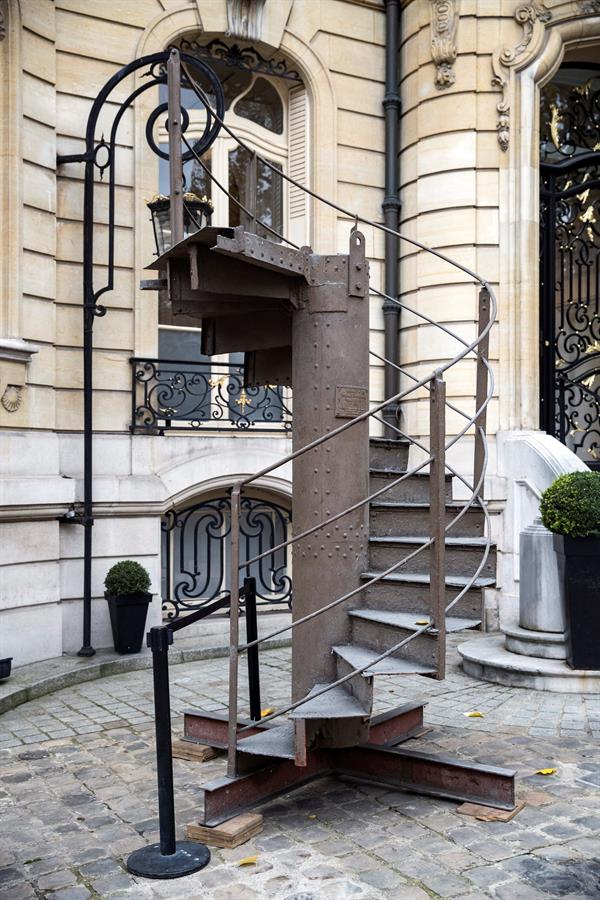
(579, 570)
(128, 620)
(5, 665)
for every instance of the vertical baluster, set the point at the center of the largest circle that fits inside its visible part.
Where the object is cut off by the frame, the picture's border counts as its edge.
(437, 574)
(482, 387)
(234, 615)
(175, 161)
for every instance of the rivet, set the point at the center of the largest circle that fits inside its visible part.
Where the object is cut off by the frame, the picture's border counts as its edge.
(330, 555)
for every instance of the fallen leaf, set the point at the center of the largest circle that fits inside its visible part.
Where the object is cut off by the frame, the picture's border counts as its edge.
(422, 622)
(545, 771)
(266, 712)
(248, 861)
(474, 715)
(312, 816)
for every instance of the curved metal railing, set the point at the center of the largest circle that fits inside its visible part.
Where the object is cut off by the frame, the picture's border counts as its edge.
(435, 457)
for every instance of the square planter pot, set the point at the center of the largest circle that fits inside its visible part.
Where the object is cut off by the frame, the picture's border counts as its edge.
(579, 569)
(5, 666)
(128, 614)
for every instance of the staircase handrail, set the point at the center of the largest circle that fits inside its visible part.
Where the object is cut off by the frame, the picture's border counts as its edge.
(435, 384)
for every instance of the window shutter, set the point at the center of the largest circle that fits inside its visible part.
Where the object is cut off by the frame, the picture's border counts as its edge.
(298, 165)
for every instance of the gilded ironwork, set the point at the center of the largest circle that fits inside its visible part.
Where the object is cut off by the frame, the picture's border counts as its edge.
(196, 553)
(570, 266)
(188, 396)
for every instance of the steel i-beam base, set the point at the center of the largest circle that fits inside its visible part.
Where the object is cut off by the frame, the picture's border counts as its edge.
(378, 762)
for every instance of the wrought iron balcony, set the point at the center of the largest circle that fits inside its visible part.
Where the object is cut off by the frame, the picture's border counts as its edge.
(170, 395)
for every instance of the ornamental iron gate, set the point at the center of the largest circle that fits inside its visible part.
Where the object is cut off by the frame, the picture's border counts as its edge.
(196, 553)
(570, 261)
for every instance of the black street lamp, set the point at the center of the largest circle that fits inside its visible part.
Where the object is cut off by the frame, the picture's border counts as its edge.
(197, 212)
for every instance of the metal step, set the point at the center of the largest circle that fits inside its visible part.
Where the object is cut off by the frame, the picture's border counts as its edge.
(358, 656)
(463, 554)
(413, 488)
(409, 592)
(279, 742)
(384, 454)
(397, 518)
(337, 703)
(411, 621)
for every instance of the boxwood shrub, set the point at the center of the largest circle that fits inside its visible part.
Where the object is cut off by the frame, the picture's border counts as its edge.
(127, 577)
(571, 505)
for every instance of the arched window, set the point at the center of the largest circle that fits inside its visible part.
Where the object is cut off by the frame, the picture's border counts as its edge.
(196, 552)
(269, 113)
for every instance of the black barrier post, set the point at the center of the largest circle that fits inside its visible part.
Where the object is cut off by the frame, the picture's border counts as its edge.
(169, 858)
(252, 635)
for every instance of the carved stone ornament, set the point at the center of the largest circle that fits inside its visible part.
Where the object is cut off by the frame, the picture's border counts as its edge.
(444, 23)
(12, 397)
(532, 17)
(589, 7)
(244, 19)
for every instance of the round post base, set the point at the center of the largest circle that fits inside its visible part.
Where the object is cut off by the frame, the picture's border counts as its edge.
(149, 862)
(86, 651)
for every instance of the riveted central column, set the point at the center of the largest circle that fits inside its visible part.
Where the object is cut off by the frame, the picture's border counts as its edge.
(330, 341)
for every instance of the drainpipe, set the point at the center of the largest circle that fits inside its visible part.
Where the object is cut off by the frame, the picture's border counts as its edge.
(391, 207)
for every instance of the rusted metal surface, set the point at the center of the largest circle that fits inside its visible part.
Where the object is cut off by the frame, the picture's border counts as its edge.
(482, 387)
(330, 335)
(396, 725)
(234, 640)
(409, 770)
(212, 728)
(226, 797)
(437, 518)
(423, 773)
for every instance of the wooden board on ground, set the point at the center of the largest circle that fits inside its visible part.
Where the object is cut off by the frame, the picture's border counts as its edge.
(229, 834)
(192, 750)
(488, 813)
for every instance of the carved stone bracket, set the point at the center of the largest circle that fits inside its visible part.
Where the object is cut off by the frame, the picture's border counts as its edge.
(444, 24)
(244, 19)
(532, 17)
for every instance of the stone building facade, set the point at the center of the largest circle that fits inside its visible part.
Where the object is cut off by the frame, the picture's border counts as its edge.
(471, 72)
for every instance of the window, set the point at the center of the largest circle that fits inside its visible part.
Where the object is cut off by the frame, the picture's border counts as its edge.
(270, 117)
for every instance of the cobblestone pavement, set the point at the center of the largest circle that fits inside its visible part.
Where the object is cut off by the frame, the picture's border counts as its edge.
(78, 794)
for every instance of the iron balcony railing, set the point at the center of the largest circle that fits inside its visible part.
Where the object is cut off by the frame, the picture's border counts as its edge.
(172, 395)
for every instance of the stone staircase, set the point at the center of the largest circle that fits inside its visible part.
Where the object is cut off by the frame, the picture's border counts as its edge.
(384, 614)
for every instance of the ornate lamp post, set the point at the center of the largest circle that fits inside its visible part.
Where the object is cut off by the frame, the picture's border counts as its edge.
(169, 858)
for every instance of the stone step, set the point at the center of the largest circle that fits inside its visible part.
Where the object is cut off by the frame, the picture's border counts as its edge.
(389, 454)
(463, 554)
(409, 592)
(399, 518)
(413, 488)
(358, 656)
(488, 660)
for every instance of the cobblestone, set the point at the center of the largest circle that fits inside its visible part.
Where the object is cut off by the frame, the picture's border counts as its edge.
(78, 794)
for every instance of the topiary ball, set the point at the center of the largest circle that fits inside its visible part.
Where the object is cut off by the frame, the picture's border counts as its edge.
(571, 505)
(127, 577)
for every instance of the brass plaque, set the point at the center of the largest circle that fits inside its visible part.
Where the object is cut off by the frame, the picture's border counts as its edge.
(350, 401)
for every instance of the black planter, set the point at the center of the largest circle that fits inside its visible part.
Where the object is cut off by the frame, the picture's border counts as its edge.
(5, 665)
(579, 568)
(128, 620)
